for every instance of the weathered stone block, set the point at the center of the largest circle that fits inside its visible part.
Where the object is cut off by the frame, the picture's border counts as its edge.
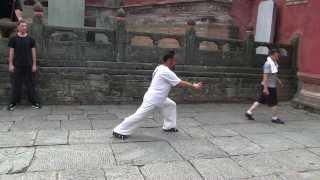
(72, 157)
(52, 137)
(221, 168)
(15, 160)
(14, 139)
(144, 152)
(172, 170)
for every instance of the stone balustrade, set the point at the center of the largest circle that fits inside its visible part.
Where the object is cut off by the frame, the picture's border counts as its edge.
(99, 65)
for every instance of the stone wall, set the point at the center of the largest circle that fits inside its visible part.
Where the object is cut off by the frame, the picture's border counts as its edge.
(212, 16)
(78, 69)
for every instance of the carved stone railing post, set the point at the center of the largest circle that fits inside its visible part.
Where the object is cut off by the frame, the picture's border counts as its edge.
(121, 36)
(294, 52)
(156, 46)
(191, 46)
(37, 27)
(250, 48)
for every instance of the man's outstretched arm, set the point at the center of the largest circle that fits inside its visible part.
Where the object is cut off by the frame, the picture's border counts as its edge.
(186, 84)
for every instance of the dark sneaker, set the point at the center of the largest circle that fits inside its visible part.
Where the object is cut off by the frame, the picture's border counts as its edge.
(36, 106)
(277, 121)
(120, 136)
(249, 116)
(171, 130)
(11, 107)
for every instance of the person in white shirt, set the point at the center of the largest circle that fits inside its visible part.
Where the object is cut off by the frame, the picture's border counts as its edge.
(163, 78)
(267, 89)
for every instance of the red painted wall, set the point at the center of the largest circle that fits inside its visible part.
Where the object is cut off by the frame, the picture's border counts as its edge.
(303, 19)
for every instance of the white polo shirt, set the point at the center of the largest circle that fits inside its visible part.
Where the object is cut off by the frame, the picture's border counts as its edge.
(162, 81)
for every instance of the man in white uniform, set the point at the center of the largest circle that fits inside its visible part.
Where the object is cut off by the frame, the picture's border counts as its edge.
(163, 78)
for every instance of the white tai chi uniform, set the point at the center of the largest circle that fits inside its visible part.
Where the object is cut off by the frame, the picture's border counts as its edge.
(156, 97)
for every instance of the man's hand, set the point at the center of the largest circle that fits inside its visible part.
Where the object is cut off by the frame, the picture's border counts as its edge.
(34, 68)
(197, 86)
(11, 68)
(266, 91)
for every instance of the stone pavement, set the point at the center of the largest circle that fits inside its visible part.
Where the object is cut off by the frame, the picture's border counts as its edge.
(215, 142)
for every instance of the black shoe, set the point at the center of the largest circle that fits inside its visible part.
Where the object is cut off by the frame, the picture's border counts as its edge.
(277, 121)
(120, 136)
(36, 106)
(249, 116)
(171, 130)
(11, 107)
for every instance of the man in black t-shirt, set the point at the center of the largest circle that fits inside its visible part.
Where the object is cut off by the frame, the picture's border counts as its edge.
(10, 10)
(22, 65)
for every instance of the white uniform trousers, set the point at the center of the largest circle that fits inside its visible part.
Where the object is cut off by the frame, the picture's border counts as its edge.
(168, 111)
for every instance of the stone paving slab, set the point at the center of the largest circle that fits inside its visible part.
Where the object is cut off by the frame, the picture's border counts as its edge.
(269, 177)
(252, 128)
(76, 125)
(102, 117)
(197, 132)
(298, 160)
(96, 174)
(57, 117)
(30, 176)
(4, 118)
(220, 118)
(103, 124)
(309, 139)
(141, 153)
(188, 122)
(35, 125)
(78, 117)
(315, 150)
(295, 115)
(16, 139)
(312, 175)
(5, 126)
(90, 137)
(273, 142)
(298, 126)
(52, 137)
(221, 131)
(236, 145)
(36, 118)
(167, 171)
(15, 160)
(197, 149)
(28, 111)
(123, 172)
(66, 110)
(72, 157)
(220, 168)
(261, 164)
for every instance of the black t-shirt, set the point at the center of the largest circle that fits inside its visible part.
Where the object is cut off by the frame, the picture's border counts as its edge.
(22, 50)
(6, 7)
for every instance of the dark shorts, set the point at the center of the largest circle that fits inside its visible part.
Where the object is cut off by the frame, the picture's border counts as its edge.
(271, 99)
